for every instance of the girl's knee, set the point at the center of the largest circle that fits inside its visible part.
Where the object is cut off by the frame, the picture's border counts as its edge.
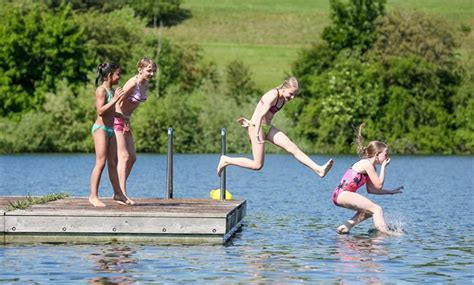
(257, 166)
(124, 157)
(376, 210)
(100, 163)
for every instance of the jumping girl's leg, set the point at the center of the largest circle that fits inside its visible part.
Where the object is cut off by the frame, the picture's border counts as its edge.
(279, 139)
(100, 143)
(123, 156)
(112, 167)
(347, 226)
(258, 152)
(360, 203)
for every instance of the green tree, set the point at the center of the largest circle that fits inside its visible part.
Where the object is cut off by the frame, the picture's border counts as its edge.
(240, 85)
(398, 73)
(39, 47)
(421, 76)
(168, 12)
(353, 24)
(113, 37)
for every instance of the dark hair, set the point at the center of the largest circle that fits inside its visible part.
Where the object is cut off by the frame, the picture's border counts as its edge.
(372, 149)
(104, 69)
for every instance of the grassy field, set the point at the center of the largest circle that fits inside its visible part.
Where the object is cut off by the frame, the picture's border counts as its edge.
(268, 34)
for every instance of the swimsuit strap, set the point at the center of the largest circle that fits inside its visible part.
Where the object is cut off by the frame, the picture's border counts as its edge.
(275, 108)
(110, 94)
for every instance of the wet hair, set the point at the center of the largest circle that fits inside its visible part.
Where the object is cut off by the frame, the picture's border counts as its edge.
(291, 82)
(144, 62)
(104, 69)
(372, 149)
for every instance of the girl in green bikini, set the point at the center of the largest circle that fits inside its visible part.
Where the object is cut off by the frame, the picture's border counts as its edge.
(103, 132)
(260, 129)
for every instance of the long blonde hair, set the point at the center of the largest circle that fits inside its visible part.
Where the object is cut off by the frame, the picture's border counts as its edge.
(372, 149)
(291, 82)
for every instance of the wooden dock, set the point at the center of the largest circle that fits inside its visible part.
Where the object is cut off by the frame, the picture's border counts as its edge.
(172, 221)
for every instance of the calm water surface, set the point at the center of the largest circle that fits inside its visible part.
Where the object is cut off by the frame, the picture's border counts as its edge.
(288, 234)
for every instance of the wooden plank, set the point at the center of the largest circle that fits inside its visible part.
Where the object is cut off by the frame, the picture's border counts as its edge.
(154, 220)
(112, 225)
(144, 207)
(118, 238)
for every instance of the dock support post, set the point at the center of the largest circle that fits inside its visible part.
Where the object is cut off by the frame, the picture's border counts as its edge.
(223, 152)
(169, 166)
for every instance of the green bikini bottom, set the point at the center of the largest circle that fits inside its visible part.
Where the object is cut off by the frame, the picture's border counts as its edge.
(109, 131)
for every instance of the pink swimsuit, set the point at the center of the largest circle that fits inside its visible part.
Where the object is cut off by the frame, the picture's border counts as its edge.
(351, 181)
(119, 124)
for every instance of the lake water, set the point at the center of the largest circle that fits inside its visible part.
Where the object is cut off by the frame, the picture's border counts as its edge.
(288, 234)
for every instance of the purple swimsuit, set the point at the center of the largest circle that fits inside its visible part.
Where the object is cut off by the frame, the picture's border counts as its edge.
(351, 181)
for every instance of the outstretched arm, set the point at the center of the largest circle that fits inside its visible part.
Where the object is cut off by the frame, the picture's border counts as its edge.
(373, 190)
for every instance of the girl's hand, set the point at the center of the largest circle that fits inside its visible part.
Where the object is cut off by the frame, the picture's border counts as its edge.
(118, 94)
(386, 162)
(260, 141)
(398, 190)
(127, 128)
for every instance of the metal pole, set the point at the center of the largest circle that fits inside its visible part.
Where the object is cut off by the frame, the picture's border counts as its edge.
(223, 152)
(169, 166)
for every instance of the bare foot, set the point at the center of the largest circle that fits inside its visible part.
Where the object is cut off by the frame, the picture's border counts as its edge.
(222, 164)
(342, 230)
(130, 202)
(96, 202)
(389, 232)
(326, 168)
(120, 199)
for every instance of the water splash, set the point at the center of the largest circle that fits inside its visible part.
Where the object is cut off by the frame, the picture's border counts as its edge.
(396, 225)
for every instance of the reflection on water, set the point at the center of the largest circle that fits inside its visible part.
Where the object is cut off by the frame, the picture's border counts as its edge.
(288, 234)
(360, 252)
(115, 260)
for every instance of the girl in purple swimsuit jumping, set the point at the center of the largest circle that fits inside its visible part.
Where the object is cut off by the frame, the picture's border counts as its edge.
(360, 173)
(260, 129)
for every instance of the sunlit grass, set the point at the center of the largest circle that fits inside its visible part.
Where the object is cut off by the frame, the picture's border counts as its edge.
(29, 201)
(267, 34)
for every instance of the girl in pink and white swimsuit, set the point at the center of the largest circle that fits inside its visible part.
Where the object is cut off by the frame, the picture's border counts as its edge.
(136, 92)
(360, 173)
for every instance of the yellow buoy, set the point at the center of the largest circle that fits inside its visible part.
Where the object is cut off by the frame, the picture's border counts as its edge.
(216, 194)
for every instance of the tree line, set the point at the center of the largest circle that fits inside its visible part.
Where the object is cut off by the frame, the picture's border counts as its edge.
(398, 72)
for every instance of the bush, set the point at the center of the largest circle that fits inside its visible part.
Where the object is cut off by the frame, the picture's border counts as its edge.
(39, 48)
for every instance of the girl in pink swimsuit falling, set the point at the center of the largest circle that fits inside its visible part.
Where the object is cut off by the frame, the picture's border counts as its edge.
(360, 173)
